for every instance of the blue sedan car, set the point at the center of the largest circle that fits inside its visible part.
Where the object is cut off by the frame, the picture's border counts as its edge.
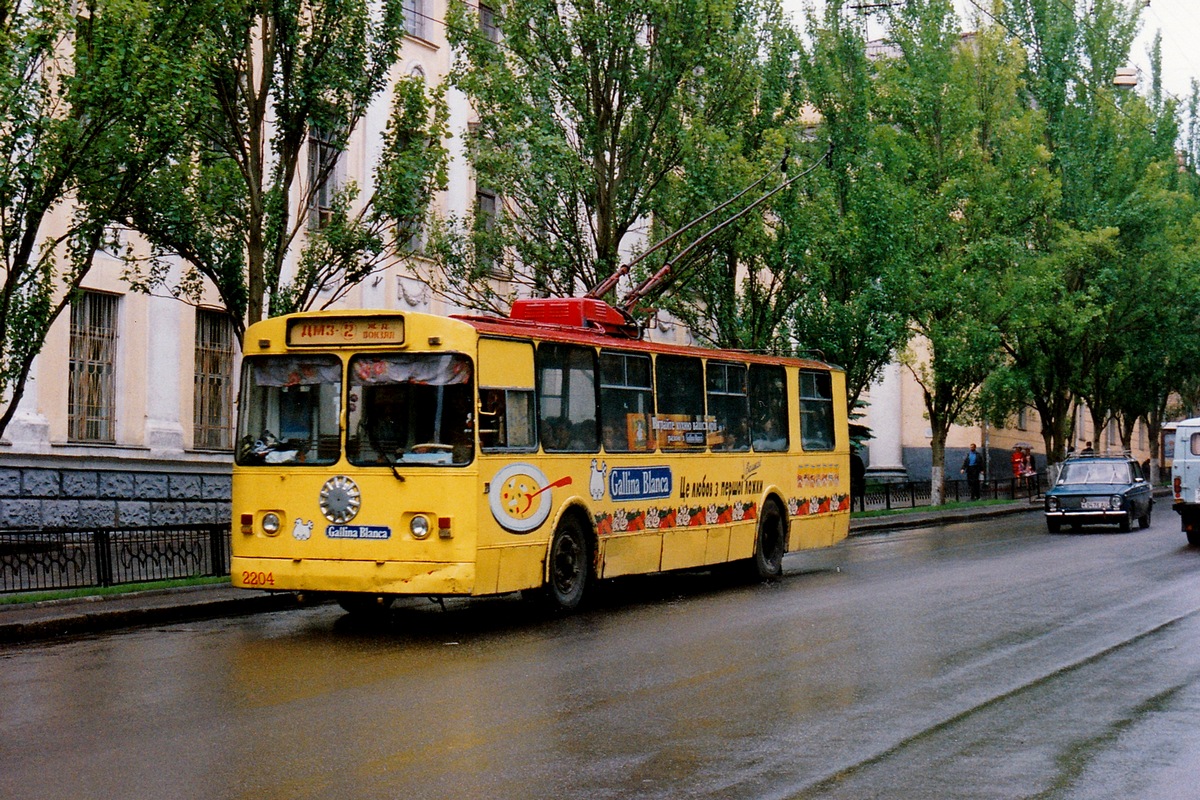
(1098, 490)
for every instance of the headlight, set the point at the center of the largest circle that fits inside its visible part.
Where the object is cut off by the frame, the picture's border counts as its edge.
(1115, 501)
(270, 523)
(1052, 504)
(419, 526)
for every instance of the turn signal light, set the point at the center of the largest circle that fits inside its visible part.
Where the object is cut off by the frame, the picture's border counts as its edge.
(444, 531)
(1177, 484)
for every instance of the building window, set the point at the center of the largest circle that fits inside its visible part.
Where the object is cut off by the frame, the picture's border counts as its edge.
(92, 379)
(322, 164)
(414, 18)
(212, 399)
(486, 255)
(487, 23)
(1023, 419)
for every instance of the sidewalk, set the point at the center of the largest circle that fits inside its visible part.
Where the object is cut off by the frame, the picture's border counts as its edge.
(26, 622)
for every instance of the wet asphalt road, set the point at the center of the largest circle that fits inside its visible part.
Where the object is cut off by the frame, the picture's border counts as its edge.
(989, 660)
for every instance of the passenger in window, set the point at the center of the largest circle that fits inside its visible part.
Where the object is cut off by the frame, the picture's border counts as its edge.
(556, 433)
(616, 438)
(769, 438)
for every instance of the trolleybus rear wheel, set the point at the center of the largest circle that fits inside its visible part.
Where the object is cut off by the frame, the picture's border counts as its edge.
(770, 543)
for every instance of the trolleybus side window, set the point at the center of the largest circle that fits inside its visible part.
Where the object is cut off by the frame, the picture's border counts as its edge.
(410, 409)
(506, 419)
(729, 406)
(566, 380)
(626, 402)
(290, 410)
(679, 421)
(816, 410)
(768, 408)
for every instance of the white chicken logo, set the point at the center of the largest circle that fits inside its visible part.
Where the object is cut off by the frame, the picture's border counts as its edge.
(302, 531)
(596, 485)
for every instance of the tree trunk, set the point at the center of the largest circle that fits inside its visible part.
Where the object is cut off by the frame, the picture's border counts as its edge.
(937, 475)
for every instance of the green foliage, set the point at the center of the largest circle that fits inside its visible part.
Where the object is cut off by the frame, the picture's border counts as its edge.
(586, 113)
(281, 72)
(95, 99)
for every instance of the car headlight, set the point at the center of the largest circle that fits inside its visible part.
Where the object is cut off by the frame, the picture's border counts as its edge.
(1052, 504)
(419, 526)
(1115, 501)
(270, 523)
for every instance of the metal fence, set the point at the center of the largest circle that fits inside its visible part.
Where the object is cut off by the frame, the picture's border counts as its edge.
(915, 494)
(32, 560)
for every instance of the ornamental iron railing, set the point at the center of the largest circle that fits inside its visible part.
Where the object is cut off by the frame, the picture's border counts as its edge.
(35, 560)
(916, 494)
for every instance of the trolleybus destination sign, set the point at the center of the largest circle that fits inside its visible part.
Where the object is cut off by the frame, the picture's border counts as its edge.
(323, 332)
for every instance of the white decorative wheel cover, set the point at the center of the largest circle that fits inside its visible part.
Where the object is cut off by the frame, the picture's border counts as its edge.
(340, 499)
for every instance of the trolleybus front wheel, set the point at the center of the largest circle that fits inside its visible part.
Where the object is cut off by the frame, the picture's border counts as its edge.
(570, 569)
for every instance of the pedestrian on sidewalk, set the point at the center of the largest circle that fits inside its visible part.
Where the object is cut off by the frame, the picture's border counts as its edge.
(973, 467)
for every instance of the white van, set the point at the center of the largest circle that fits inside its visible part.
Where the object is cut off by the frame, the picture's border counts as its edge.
(1185, 477)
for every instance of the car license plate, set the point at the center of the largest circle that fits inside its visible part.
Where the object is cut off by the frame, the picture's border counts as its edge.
(1093, 504)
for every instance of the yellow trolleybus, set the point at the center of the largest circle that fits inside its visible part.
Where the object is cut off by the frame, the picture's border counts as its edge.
(382, 454)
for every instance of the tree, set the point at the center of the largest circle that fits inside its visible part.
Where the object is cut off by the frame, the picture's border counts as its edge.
(583, 113)
(95, 98)
(977, 161)
(731, 279)
(845, 237)
(286, 80)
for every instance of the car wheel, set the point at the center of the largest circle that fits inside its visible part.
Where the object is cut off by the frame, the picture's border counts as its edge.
(1125, 522)
(1054, 525)
(1144, 520)
(1194, 538)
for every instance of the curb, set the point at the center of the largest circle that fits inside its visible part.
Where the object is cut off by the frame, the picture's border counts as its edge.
(98, 614)
(924, 519)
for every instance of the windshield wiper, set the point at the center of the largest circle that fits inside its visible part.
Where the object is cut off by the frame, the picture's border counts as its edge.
(391, 459)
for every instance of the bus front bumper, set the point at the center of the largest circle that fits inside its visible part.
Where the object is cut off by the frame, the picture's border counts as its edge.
(374, 577)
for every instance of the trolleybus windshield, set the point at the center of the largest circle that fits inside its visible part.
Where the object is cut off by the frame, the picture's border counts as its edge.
(290, 410)
(410, 409)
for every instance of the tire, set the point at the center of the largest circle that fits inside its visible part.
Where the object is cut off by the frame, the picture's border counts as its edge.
(1053, 525)
(569, 571)
(1126, 522)
(1144, 520)
(1193, 538)
(365, 606)
(770, 543)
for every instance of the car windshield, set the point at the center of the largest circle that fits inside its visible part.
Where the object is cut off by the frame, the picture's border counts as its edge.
(289, 410)
(410, 409)
(1080, 472)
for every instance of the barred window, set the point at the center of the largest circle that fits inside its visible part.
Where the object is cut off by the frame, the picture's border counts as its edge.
(91, 381)
(212, 397)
